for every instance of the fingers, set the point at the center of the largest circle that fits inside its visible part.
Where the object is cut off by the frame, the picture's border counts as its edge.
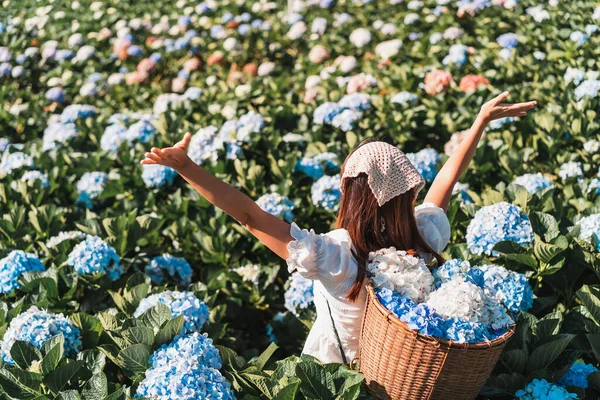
(147, 161)
(159, 152)
(500, 98)
(185, 142)
(519, 106)
(153, 156)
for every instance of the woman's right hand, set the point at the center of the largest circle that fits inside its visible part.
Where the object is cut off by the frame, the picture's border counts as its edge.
(175, 157)
(496, 109)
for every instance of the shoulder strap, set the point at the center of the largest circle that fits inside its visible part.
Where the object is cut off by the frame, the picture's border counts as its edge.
(337, 335)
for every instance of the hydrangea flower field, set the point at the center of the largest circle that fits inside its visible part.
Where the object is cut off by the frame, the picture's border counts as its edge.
(118, 281)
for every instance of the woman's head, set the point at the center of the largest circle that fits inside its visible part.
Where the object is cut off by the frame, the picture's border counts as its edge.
(379, 188)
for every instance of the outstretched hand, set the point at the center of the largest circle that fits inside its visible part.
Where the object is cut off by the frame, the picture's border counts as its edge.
(496, 109)
(174, 157)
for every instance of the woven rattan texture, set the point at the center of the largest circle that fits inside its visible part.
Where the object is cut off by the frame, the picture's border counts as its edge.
(399, 363)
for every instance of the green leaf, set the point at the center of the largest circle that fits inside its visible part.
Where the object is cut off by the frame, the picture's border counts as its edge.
(351, 387)
(20, 384)
(68, 395)
(544, 225)
(547, 352)
(96, 388)
(109, 322)
(546, 252)
(171, 329)
(549, 325)
(24, 354)
(58, 379)
(316, 382)
(594, 339)
(90, 328)
(139, 335)
(135, 358)
(590, 298)
(54, 349)
(93, 359)
(504, 384)
(515, 359)
(262, 360)
(594, 380)
(289, 391)
(156, 316)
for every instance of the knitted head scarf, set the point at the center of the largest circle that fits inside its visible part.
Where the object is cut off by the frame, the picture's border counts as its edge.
(388, 170)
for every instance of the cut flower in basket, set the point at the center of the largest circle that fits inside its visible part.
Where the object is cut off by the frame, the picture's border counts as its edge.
(401, 272)
(455, 302)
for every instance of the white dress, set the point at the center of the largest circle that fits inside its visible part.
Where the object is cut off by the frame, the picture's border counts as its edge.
(327, 259)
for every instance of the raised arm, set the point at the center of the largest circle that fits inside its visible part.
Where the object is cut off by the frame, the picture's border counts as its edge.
(441, 188)
(270, 230)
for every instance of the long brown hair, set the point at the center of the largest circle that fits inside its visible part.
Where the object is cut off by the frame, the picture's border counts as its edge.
(372, 227)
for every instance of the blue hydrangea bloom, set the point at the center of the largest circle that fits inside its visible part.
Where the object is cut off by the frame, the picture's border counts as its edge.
(12, 161)
(459, 330)
(193, 93)
(4, 143)
(498, 123)
(508, 40)
(141, 131)
(113, 136)
(36, 326)
(423, 319)
(424, 161)
(497, 223)
(118, 118)
(249, 123)
(34, 176)
(300, 294)
(135, 51)
(574, 75)
(13, 266)
(356, 101)
(577, 375)
(326, 112)
(587, 88)
(90, 186)
(346, 119)
(5, 69)
(77, 111)
(590, 227)
(278, 205)
(571, 169)
(166, 268)
(457, 55)
(404, 98)
(276, 318)
(541, 389)
(461, 190)
(195, 312)
(533, 182)
(187, 368)
(451, 268)
(579, 38)
(510, 288)
(310, 167)
(156, 176)
(94, 256)
(58, 134)
(315, 167)
(56, 94)
(326, 193)
(205, 145)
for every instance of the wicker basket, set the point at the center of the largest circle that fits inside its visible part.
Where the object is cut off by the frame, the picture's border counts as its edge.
(399, 363)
